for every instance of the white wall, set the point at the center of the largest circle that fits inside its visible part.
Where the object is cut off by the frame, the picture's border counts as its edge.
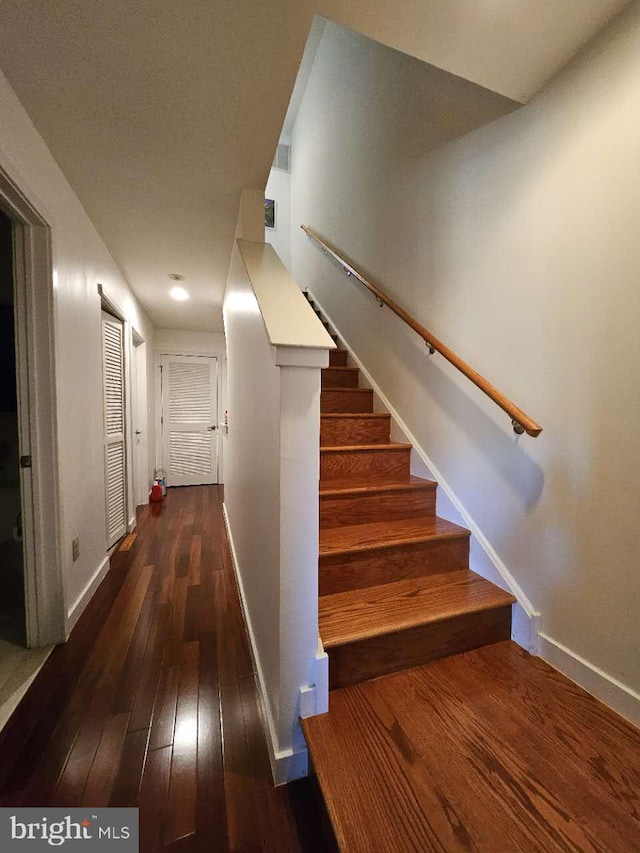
(195, 343)
(80, 262)
(518, 246)
(512, 48)
(279, 189)
(181, 342)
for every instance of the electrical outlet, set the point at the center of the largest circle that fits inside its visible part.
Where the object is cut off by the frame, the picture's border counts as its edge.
(75, 548)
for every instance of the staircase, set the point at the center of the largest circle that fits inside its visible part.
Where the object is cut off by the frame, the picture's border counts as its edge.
(395, 586)
(442, 734)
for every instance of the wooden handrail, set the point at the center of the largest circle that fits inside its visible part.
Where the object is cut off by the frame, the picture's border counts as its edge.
(520, 420)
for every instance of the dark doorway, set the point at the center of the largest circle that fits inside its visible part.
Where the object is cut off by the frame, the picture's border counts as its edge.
(12, 600)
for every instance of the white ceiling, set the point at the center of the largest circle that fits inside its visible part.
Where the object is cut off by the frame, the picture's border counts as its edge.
(159, 112)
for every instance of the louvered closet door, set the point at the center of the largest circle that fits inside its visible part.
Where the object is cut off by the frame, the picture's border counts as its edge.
(189, 428)
(114, 429)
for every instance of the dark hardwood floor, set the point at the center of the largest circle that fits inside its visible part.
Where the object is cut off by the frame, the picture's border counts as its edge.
(153, 703)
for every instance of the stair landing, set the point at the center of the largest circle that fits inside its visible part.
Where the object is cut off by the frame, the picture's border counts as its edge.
(491, 750)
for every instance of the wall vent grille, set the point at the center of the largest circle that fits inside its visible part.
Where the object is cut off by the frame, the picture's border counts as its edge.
(282, 160)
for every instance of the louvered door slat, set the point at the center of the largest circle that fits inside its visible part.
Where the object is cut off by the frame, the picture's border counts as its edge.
(114, 435)
(116, 511)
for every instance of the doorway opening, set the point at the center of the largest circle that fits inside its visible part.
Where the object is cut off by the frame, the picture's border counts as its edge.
(26, 257)
(141, 483)
(12, 584)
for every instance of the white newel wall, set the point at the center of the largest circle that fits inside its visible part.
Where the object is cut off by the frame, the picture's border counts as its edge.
(276, 348)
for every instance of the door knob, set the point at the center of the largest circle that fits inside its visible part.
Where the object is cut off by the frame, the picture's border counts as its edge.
(212, 428)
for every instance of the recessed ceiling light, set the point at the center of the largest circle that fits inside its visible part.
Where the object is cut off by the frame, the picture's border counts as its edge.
(179, 294)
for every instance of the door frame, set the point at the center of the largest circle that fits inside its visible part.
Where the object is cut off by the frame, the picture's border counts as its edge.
(159, 445)
(42, 521)
(140, 485)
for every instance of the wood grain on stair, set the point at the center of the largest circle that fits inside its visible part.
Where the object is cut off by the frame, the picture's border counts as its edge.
(363, 483)
(356, 538)
(392, 652)
(360, 614)
(346, 400)
(565, 716)
(344, 572)
(376, 460)
(340, 377)
(360, 428)
(347, 502)
(490, 751)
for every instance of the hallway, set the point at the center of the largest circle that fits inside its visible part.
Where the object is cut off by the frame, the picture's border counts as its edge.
(152, 702)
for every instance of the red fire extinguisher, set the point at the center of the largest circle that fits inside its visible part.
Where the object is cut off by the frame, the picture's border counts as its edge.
(155, 495)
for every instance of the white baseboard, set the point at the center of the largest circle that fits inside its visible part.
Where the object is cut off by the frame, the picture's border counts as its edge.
(604, 687)
(75, 611)
(133, 523)
(484, 560)
(286, 764)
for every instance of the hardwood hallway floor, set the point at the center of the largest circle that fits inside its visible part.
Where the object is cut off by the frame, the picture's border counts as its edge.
(152, 702)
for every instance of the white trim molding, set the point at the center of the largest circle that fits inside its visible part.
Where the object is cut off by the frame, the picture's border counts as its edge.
(314, 698)
(591, 678)
(76, 609)
(38, 419)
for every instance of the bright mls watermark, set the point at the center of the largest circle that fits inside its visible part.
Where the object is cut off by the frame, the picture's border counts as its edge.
(76, 830)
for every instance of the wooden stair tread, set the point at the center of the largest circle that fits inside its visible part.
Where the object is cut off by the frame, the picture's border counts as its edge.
(362, 484)
(354, 448)
(348, 617)
(490, 750)
(386, 534)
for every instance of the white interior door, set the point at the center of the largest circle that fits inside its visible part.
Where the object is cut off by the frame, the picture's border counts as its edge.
(189, 419)
(114, 427)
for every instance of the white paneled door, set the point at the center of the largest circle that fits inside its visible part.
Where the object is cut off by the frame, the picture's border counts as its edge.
(189, 419)
(114, 427)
